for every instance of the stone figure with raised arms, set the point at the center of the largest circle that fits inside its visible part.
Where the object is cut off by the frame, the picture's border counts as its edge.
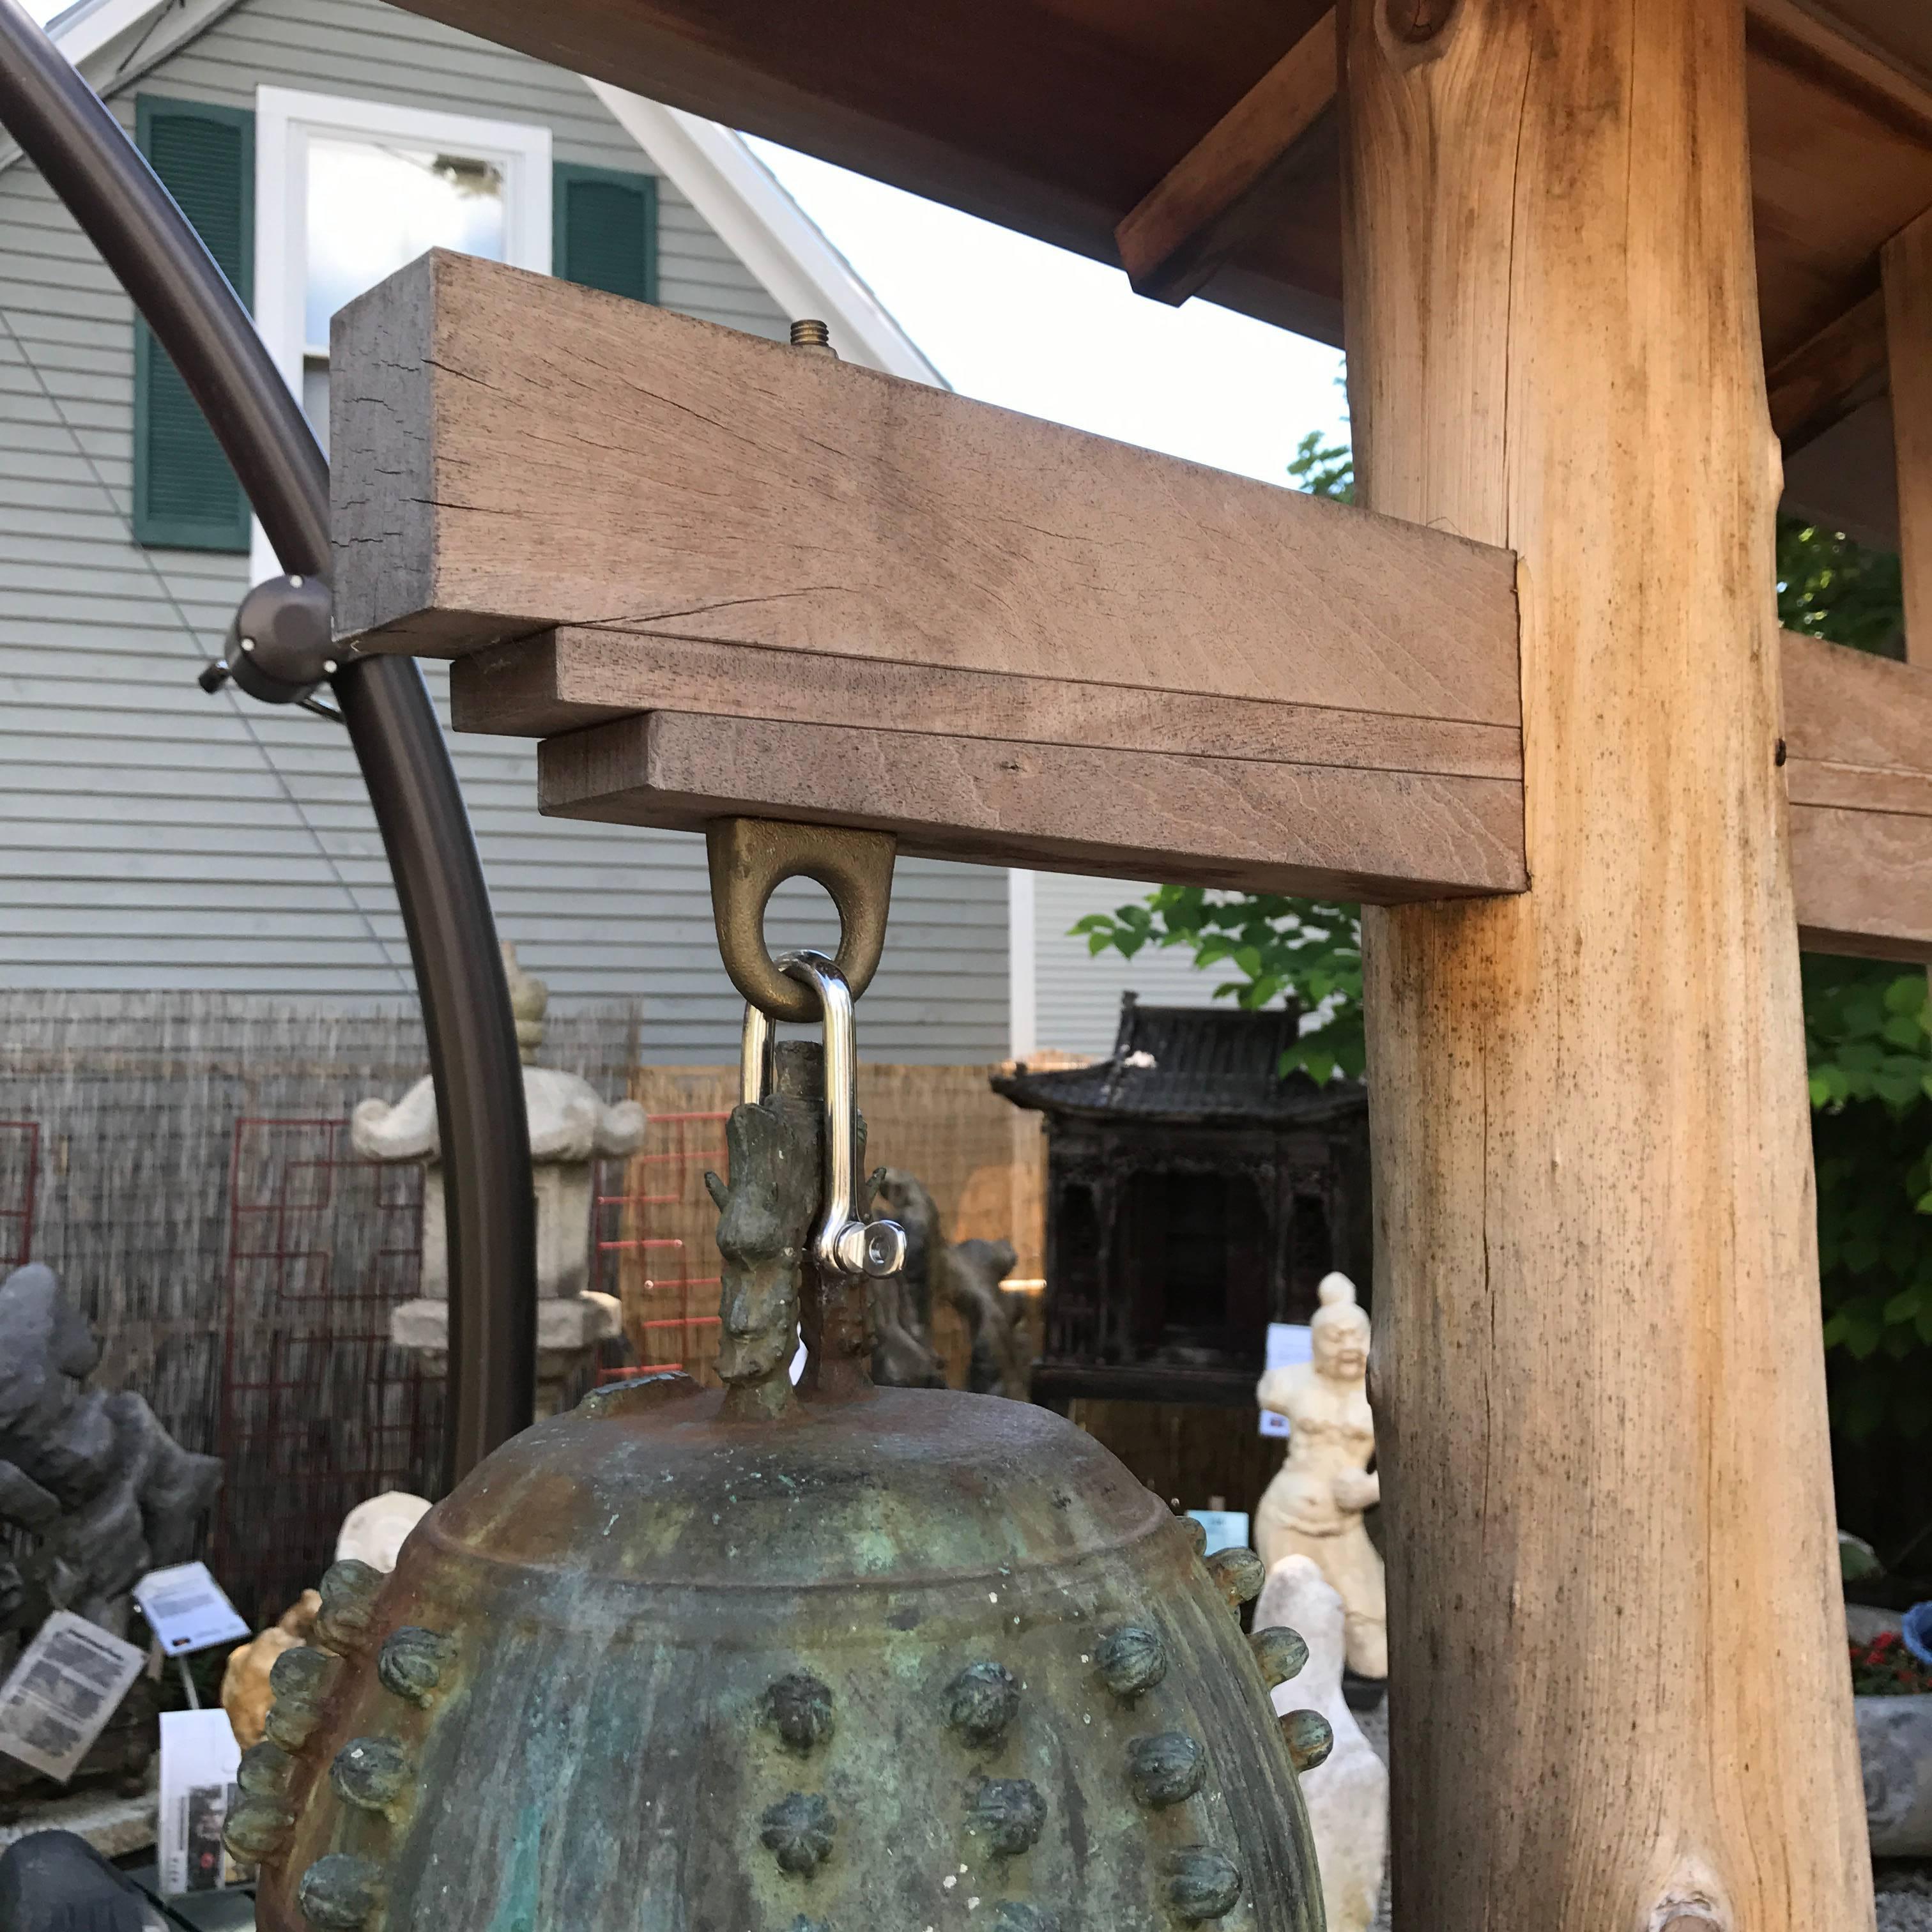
(1314, 1506)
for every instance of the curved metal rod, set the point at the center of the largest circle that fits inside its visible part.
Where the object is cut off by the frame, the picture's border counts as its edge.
(77, 145)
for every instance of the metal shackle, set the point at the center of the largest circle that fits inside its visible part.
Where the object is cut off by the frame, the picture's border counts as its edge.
(842, 1242)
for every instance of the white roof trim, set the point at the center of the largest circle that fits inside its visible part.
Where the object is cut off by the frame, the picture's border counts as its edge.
(744, 203)
(113, 45)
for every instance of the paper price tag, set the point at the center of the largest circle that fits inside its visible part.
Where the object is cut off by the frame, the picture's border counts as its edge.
(200, 1761)
(1288, 1343)
(58, 1698)
(188, 1610)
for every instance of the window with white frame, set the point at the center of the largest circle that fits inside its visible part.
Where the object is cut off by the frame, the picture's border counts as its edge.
(348, 191)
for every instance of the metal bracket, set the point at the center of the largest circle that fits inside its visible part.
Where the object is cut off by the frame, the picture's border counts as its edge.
(279, 646)
(749, 858)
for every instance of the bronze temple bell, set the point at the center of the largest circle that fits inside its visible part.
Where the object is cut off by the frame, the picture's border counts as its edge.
(830, 1659)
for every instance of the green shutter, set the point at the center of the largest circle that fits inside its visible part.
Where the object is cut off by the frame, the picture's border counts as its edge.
(604, 230)
(186, 496)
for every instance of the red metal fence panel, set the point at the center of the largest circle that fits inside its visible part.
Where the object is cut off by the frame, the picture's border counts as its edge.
(655, 1244)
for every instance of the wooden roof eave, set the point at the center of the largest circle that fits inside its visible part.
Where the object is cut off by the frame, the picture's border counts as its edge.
(1012, 110)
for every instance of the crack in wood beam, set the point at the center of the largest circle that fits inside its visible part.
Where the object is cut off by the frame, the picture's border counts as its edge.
(1206, 205)
(568, 678)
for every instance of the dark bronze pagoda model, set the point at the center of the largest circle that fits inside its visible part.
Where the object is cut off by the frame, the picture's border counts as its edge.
(834, 1658)
(1194, 1194)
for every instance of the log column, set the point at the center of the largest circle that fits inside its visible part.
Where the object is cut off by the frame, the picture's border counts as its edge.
(1620, 1696)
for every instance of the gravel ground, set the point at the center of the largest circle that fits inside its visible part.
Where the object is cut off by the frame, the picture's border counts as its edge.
(1904, 1894)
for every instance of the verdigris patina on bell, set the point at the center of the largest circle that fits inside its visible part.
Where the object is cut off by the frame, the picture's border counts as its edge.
(839, 1659)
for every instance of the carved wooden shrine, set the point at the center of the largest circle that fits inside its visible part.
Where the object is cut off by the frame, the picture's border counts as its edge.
(1599, 264)
(1194, 1194)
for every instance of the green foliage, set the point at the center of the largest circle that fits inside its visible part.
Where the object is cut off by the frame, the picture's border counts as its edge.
(1868, 1035)
(1829, 587)
(1324, 469)
(1868, 1043)
(1306, 949)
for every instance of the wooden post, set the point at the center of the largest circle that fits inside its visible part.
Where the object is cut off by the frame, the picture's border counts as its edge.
(1619, 1697)
(1907, 265)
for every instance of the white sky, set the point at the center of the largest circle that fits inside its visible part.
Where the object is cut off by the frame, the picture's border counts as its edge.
(1014, 322)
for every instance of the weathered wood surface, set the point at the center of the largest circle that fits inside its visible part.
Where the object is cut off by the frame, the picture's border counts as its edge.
(919, 609)
(512, 453)
(1907, 267)
(565, 679)
(1261, 826)
(1175, 240)
(1858, 733)
(1600, 1400)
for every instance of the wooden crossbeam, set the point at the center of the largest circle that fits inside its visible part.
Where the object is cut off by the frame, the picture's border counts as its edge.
(1858, 768)
(715, 575)
(1003, 769)
(1250, 825)
(564, 680)
(1858, 730)
(1201, 210)
(991, 617)
(1840, 369)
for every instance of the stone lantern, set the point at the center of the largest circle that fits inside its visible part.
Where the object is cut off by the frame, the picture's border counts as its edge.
(570, 1129)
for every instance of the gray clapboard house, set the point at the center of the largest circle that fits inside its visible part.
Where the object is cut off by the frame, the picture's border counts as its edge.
(152, 837)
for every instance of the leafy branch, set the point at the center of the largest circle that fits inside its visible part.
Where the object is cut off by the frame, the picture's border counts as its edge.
(1308, 949)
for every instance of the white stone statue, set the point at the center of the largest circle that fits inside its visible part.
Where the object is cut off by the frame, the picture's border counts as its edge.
(571, 1128)
(1348, 1796)
(1314, 1506)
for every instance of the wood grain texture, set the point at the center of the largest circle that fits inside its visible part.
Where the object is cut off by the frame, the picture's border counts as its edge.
(512, 453)
(1255, 826)
(1859, 728)
(1840, 369)
(1202, 209)
(563, 680)
(1906, 264)
(1864, 881)
(1858, 731)
(1600, 1389)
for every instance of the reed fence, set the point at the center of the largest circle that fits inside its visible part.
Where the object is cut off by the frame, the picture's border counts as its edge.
(182, 1161)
